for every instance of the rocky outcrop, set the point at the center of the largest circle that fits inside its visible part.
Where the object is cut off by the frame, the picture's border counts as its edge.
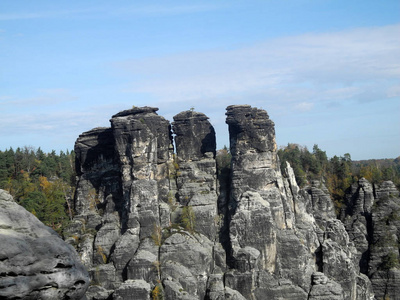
(151, 219)
(149, 214)
(35, 263)
(372, 218)
(277, 231)
(384, 263)
(264, 243)
(196, 177)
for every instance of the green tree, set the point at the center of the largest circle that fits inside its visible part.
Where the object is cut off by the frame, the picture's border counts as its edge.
(41, 182)
(292, 154)
(390, 261)
(156, 235)
(55, 209)
(157, 292)
(188, 219)
(35, 203)
(223, 159)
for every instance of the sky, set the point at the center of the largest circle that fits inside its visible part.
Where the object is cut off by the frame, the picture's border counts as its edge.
(327, 72)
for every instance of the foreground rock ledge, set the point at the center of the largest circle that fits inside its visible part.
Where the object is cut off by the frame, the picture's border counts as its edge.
(35, 263)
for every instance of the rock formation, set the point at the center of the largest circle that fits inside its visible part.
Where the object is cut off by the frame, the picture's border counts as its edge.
(372, 218)
(35, 263)
(152, 220)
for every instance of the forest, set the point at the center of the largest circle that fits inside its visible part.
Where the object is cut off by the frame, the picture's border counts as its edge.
(44, 183)
(337, 173)
(41, 182)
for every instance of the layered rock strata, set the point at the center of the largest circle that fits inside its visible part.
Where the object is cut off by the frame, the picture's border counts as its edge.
(35, 263)
(153, 220)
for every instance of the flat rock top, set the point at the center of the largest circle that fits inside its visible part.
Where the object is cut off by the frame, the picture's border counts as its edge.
(243, 113)
(94, 131)
(135, 111)
(188, 114)
(238, 106)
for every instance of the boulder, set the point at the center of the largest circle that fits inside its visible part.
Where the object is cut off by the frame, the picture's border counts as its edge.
(35, 263)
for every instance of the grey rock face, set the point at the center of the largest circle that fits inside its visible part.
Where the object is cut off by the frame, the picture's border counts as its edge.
(143, 146)
(136, 219)
(196, 177)
(133, 289)
(357, 219)
(264, 242)
(148, 220)
(323, 288)
(35, 263)
(98, 174)
(195, 136)
(291, 233)
(384, 263)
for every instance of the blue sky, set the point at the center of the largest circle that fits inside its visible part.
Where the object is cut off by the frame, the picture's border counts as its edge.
(327, 72)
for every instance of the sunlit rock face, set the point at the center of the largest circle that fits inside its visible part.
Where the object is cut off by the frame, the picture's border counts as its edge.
(152, 215)
(35, 263)
(262, 223)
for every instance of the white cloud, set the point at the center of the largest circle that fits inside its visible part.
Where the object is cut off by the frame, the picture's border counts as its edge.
(312, 67)
(393, 91)
(304, 106)
(54, 129)
(327, 75)
(18, 16)
(43, 97)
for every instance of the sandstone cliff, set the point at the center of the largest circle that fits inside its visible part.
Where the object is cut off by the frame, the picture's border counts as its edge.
(152, 219)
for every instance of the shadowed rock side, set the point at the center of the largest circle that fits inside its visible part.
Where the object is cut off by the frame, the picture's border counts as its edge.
(150, 221)
(35, 263)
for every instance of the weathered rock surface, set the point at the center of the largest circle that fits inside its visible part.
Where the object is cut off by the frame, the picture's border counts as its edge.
(151, 219)
(323, 288)
(35, 263)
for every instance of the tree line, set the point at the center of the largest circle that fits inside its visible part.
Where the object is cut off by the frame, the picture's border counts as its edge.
(339, 172)
(41, 182)
(44, 183)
